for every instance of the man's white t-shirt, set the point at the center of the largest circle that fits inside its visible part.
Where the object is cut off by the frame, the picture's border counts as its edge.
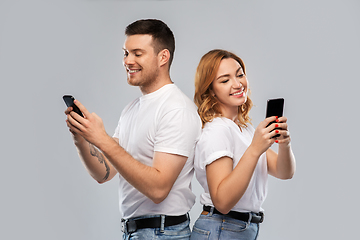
(163, 121)
(220, 138)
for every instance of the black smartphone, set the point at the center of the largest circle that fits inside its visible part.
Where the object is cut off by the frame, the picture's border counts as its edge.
(69, 101)
(275, 107)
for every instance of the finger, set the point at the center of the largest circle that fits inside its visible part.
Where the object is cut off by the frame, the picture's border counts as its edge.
(68, 110)
(74, 124)
(282, 126)
(77, 117)
(274, 126)
(284, 133)
(82, 108)
(282, 119)
(274, 133)
(282, 141)
(71, 128)
(268, 120)
(272, 140)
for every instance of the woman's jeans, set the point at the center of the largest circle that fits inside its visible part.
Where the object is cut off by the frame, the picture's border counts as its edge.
(216, 226)
(180, 231)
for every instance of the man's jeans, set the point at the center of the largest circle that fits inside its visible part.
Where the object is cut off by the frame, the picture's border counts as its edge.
(180, 231)
(216, 226)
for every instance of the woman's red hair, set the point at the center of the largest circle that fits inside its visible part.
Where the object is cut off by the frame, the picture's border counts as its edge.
(206, 71)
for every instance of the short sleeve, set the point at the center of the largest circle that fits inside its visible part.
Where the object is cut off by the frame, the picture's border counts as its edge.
(117, 129)
(216, 141)
(177, 132)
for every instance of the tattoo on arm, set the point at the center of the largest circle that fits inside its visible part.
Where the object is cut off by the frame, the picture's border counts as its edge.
(94, 152)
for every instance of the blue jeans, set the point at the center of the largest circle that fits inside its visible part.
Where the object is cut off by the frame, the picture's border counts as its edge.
(216, 226)
(180, 231)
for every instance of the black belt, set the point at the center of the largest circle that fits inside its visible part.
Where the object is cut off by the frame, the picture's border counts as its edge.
(132, 225)
(256, 217)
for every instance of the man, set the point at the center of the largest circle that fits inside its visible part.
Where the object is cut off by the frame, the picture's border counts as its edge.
(152, 148)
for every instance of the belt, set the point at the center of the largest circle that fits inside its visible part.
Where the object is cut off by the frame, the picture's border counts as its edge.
(255, 218)
(132, 225)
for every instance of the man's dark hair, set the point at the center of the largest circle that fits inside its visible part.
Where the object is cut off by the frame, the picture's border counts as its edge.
(163, 37)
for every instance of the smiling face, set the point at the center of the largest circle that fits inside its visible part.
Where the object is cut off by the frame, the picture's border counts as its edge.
(230, 87)
(140, 61)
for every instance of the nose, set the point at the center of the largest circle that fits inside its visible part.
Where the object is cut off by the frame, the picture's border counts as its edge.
(128, 60)
(236, 83)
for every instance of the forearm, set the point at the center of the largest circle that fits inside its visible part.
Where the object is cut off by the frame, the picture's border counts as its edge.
(285, 166)
(94, 161)
(146, 179)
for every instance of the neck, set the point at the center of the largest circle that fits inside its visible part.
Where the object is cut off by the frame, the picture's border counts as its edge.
(155, 85)
(231, 114)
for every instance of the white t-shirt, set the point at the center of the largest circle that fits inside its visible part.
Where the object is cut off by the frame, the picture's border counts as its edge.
(222, 137)
(163, 121)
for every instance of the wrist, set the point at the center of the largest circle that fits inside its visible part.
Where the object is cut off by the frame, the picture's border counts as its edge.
(285, 146)
(105, 143)
(254, 152)
(79, 140)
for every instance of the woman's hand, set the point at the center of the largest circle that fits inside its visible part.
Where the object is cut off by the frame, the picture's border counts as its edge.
(282, 164)
(284, 138)
(263, 137)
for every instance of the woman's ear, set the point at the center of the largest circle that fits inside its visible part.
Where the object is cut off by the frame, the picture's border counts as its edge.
(164, 56)
(212, 92)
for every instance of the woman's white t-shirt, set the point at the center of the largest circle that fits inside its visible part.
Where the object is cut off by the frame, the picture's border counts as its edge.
(222, 137)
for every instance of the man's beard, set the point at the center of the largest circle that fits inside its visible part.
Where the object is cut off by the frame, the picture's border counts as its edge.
(146, 80)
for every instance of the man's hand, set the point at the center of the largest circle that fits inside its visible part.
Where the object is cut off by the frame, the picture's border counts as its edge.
(90, 127)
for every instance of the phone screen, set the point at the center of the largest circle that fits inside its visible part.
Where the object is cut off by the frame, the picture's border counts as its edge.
(274, 107)
(69, 101)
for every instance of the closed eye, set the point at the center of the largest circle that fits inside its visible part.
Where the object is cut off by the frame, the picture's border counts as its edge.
(225, 81)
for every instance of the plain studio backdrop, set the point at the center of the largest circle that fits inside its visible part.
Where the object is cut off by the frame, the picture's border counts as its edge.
(304, 51)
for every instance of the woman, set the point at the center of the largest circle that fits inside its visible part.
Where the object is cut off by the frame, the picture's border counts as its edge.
(232, 159)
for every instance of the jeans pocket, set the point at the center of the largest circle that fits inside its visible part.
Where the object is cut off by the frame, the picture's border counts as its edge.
(235, 226)
(168, 234)
(179, 231)
(199, 234)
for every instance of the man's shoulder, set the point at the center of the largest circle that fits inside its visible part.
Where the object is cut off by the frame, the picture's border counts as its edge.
(130, 105)
(175, 98)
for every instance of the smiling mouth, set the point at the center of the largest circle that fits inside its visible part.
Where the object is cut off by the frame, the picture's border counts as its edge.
(133, 71)
(238, 93)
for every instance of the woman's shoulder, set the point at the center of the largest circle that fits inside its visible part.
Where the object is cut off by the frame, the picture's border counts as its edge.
(216, 136)
(224, 126)
(216, 128)
(217, 123)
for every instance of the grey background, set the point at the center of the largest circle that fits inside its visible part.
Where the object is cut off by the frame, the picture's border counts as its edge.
(305, 51)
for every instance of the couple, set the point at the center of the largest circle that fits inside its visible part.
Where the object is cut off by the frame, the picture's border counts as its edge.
(161, 137)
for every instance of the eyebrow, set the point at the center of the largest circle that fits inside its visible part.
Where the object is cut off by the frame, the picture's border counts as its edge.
(134, 50)
(228, 75)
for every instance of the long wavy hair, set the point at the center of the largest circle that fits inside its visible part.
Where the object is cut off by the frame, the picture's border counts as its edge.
(208, 107)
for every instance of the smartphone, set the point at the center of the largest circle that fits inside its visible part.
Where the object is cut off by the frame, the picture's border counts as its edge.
(275, 107)
(69, 101)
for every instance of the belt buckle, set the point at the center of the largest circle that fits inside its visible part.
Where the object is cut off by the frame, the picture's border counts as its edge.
(128, 226)
(261, 217)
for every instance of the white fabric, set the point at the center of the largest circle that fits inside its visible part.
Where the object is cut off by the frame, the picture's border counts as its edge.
(163, 121)
(222, 137)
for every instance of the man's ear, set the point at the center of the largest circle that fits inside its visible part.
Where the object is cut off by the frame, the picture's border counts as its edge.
(164, 57)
